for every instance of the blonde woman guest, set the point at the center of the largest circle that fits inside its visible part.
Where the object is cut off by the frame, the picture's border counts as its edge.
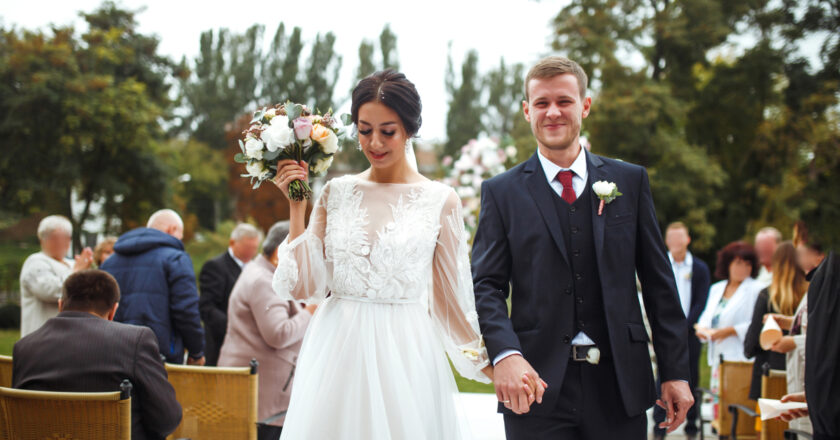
(44, 272)
(728, 314)
(266, 327)
(103, 250)
(784, 294)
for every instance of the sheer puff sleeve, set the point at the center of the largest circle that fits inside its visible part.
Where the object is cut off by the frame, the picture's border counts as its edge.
(452, 303)
(302, 274)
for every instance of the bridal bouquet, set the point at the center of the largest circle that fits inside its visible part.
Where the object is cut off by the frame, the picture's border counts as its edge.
(480, 159)
(288, 131)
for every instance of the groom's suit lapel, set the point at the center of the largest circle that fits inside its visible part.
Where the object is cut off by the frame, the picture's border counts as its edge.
(542, 194)
(596, 172)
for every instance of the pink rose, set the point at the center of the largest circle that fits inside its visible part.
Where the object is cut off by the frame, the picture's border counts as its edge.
(303, 126)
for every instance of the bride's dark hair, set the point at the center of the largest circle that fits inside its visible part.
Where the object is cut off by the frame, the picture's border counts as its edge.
(395, 91)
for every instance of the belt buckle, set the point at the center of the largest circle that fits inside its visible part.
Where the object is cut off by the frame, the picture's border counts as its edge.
(593, 354)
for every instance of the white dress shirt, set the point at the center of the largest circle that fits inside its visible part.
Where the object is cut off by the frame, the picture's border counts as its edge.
(682, 273)
(578, 184)
(236, 260)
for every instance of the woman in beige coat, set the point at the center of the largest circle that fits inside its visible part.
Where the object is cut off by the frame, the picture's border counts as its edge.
(267, 328)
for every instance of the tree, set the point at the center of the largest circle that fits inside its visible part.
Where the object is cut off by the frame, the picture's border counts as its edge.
(280, 68)
(82, 114)
(388, 47)
(366, 63)
(505, 93)
(463, 121)
(322, 72)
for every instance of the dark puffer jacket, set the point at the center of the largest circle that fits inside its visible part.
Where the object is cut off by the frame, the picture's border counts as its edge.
(158, 290)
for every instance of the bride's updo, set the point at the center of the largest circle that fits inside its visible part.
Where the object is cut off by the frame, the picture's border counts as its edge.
(395, 91)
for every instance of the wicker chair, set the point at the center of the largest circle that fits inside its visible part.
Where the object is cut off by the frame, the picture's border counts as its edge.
(5, 371)
(28, 414)
(218, 402)
(773, 386)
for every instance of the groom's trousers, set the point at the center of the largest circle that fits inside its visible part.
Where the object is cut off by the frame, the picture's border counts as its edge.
(589, 408)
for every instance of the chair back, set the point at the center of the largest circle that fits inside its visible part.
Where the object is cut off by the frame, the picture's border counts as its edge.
(773, 386)
(5, 371)
(735, 379)
(217, 402)
(26, 414)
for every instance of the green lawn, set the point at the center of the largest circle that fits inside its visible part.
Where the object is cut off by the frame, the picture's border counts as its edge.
(7, 341)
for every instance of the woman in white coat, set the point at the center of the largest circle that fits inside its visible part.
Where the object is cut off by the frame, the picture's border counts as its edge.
(726, 319)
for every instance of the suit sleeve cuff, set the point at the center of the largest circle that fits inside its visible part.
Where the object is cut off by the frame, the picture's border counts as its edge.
(504, 354)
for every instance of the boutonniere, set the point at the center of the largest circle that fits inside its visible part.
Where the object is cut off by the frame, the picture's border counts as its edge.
(688, 276)
(606, 191)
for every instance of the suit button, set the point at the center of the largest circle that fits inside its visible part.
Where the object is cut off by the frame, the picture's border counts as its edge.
(575, 229)
(579, 300)
(567, 339)
(578, 276)
(580, 324)
(568, 291)
(576, 252)
(573, 209)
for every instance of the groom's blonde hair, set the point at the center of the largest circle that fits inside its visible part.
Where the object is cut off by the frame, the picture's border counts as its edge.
(549, 67)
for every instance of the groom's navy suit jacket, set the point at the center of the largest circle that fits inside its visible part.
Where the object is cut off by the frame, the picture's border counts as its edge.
(520, 246)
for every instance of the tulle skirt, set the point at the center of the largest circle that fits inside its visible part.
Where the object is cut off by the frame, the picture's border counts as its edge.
(373, 371)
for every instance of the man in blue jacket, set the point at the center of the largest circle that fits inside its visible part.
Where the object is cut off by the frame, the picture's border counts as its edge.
(158, 286)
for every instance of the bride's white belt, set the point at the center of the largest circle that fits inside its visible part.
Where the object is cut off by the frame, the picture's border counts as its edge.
(367, 299)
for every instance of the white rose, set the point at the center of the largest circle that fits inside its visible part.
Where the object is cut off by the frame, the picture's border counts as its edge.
(256, 169)
(278, 135)
(330, 144)
(603, 188)
(254, 148)
(322, 165)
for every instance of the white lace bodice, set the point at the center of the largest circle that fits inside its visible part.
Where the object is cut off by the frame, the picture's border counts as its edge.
(392, 244)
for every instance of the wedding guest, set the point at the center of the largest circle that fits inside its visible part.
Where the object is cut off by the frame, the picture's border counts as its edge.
(766, 241)
(82, 350)
(262, 325)
(809, 255)
(728, 314)
(782, 297)
(216, 280)
(822, 363)
(103, 250)
(158, 287)
(693, 279)
(43, 272)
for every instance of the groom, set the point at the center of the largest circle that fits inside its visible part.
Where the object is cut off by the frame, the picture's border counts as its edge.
(569, 263)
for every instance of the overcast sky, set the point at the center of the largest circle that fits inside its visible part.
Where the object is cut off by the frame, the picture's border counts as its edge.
(518, 30)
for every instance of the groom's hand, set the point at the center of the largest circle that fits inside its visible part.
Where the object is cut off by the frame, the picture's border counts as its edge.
(676, 400)
(517, 384)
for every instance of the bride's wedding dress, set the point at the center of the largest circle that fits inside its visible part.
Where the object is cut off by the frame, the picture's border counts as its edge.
(389, 265)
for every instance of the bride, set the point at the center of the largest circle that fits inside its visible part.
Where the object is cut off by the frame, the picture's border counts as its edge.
(385, 254)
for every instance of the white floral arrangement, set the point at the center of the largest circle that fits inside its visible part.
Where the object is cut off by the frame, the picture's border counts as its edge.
(288, 131)
(480, 160)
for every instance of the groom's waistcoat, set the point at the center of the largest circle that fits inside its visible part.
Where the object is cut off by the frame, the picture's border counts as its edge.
(586, 294)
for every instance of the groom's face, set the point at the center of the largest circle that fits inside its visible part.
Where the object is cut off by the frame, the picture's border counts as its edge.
(555, 110)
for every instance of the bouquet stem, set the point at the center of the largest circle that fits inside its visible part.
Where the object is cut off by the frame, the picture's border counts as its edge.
(299, 190)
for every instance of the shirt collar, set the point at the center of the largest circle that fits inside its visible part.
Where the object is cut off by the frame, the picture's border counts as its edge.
(236, 260)
(688, 261)
(551, 169)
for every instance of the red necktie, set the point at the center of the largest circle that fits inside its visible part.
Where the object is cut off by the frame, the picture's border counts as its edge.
(565, 179)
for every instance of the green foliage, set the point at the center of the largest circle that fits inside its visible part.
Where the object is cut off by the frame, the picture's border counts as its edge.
(463, 121)
(7, 341)
(82, 112)
(10, 316)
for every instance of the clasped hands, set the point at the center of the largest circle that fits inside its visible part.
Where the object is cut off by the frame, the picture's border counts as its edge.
(517, 384)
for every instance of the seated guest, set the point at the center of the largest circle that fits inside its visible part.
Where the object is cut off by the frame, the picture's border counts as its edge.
(263, 326)
(43, 272)
(83, 350)
(216, 281)
(728, 312)
(158, 287)
(103, 250)
(786, 290)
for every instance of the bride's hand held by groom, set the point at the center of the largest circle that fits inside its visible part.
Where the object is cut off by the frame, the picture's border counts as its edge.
(517, 384)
